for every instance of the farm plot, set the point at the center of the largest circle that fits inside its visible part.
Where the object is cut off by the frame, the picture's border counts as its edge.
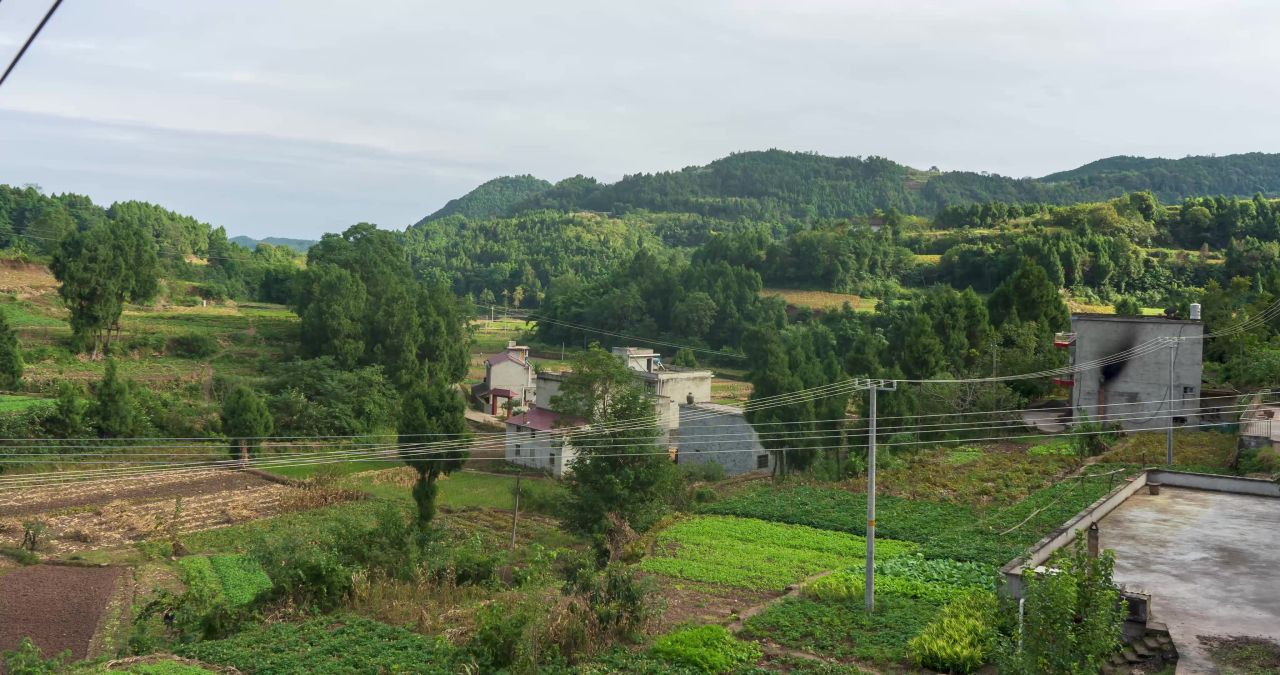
(755, 554)
(57, 607)
(110, 514)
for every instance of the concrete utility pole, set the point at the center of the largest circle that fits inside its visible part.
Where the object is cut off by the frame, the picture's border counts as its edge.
(1169, 432)
(870, 584)
(515, 510)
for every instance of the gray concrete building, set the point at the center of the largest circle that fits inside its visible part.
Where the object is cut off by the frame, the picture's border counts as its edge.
(710, 433)
(1137, 392)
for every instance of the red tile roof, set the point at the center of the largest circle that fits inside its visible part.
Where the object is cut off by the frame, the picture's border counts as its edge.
(494, 359)
(541, 419)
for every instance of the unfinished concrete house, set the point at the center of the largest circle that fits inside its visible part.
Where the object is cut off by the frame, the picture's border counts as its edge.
(1146, 390)
(508, 379)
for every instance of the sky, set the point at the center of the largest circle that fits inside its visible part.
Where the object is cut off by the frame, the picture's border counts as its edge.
(293, 118)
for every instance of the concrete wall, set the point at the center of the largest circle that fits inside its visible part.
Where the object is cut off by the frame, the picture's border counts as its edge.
(508, 375)
(1105, 393)
(679, 385)
(540, 450)
(719, 435)
(548, 387)
(1204, 481)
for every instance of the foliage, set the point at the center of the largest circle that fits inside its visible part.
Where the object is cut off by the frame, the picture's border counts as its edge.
(617, 470)
(114, 413)
(711, 649)
(219, 592)
(961, 639)
(844, 630)
(327, 645)
(944, 530)
(100, 269)
(755, 554)
(1072, 615)
(315, 397)
(10, 355)
(246, 419)
(909, 576)
(27, 659)
(360, 304)
(193, 345)
(431, 413)
(492, 199)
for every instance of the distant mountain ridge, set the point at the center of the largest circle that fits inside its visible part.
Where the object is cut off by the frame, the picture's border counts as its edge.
(777, 184)
(494, 198)
(299, 245)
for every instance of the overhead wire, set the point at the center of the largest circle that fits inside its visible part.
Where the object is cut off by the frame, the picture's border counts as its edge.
(30, 39)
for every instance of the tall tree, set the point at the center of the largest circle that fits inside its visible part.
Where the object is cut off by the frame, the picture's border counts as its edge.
(100, 269)
(114, 413)
(246, 421)
(431, 413)
(618, 471)
(10, 355)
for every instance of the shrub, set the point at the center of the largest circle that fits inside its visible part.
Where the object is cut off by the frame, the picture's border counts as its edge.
(962, 638)
(542, 496)
(193, 345)
(1072, 615)
(702, 472)
(711, 649)
(149, 342)
(28, 660)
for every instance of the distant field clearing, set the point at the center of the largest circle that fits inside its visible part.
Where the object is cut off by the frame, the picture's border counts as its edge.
(822, 299)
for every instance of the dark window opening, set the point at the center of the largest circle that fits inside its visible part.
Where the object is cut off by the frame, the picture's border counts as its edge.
(762, 461)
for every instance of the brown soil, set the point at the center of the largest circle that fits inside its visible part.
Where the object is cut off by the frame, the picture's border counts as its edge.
(45, 499)
(1244, 655)
(59, 608)
(98, 515)
(689, 601)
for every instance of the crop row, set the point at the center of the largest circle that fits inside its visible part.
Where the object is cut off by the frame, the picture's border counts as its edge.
(756, 554)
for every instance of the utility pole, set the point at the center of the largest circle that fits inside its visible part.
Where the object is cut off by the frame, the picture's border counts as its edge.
(1169, 432)
(870, 585)
(515, 510)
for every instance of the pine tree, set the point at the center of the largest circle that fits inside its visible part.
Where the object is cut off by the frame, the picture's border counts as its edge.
(10, 355)
(246, 420)
(114, 413)
(431, 412)
(68, 419)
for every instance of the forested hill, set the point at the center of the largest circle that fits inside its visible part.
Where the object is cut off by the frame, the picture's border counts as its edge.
(299, 245)
(776, 184)
(494, 198)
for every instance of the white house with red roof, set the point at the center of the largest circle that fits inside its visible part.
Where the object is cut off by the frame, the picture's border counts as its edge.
(508, 376)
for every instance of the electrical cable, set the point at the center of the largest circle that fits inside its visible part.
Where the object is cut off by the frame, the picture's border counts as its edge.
(32, 38)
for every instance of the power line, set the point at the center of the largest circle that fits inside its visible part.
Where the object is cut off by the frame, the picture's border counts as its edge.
(32, 38)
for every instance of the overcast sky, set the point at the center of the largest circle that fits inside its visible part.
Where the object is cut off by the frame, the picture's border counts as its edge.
(294, 118)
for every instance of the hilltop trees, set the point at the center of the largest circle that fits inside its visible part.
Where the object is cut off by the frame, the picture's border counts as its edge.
(100, 269)
(10, 355)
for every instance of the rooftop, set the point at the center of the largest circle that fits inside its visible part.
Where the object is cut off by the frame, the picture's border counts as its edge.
(541, 419)
(1092, 316)
(1210, 561)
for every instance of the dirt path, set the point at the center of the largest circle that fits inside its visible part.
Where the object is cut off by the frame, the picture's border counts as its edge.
(59, 608)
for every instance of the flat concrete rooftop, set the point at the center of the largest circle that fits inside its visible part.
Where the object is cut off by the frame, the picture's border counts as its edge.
(1209, 560)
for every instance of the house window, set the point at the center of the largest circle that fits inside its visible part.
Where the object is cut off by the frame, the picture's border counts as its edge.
(1188, 391)
(762, 461)
(517, 450)
(551, 459)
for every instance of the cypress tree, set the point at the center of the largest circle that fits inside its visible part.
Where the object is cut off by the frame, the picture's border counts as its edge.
(246, 420)
(10, 356)
(431, 412)
(114, 412)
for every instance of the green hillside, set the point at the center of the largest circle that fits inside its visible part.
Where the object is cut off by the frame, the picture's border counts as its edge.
(493, 198)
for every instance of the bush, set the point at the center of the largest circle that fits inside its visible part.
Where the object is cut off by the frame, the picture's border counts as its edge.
(149, 342)
(702, 472)
(542, 496)
(711, 649)
(962, 638)
(1072, 617)
(28, 660)
(193, 345)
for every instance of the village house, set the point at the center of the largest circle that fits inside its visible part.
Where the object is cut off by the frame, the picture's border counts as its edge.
(508, 378)
(682, 405)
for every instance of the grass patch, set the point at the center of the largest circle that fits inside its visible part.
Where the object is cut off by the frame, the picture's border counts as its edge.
(237, 578)
(755, 554)
(1244, 655)
(1191, 448)
(822, 300)
(10, 403)
(845, 630)
(327, 644)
